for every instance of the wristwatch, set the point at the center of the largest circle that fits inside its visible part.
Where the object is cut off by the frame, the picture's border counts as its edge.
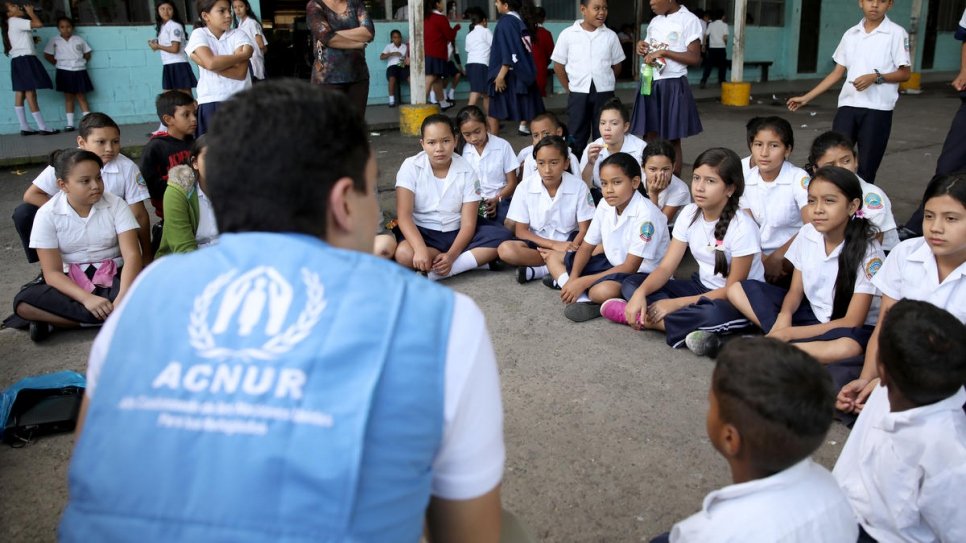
(878, 78)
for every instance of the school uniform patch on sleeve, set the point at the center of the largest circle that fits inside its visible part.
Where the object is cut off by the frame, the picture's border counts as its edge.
(590, 198)
(140, 180)
(805, 181)
(872, 267)
(477, 188)
(647, 231)
(177, 33)
(873, 201)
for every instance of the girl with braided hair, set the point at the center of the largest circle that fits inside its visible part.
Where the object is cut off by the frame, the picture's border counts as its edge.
(722, 240)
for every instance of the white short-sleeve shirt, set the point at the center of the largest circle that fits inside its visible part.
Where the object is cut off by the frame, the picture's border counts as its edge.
(68, 54)
(632, 145)
(641, 230)
(740, 240)
(677, 31)
(910, 271)
(478, 43)
(676, 194)
(213, 87)
(252, 28)
(121, 177)
(393, 48)
(819, 271)
(525, 157)
(746, 166)
(82, 240)
(717, 34)
(902, 471)
(556, 217)
(207, 233)
(885, 49)
(172, 32)
(776, 205)
(877, 207)
(801, 504)
(492, 165)
(438, 202)
(588, 57)
(21, 37)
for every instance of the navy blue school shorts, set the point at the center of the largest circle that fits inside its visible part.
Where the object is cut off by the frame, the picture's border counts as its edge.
(401, 73)
(488, 234)
(596, 264)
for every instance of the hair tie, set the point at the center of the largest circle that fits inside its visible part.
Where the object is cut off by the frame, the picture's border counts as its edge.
(718, 246)
(859, 213)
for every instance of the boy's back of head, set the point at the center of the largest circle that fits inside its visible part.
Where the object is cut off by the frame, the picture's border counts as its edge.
(167, 103)
(778, 398)
(922, 350)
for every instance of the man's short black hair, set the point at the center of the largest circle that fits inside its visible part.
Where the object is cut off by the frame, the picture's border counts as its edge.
(274, 153)
(923, 351)
(169, 101)
(779, 398)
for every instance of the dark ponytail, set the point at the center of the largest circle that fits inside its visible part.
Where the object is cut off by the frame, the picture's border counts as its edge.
(728, 166)
(475, 15)
(468, 113)
(821, 145)
(859, 233)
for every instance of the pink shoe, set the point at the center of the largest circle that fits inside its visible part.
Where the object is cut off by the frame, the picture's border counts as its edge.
(613, 310)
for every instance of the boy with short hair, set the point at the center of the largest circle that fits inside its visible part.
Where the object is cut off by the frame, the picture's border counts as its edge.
(715, 45)
(905, 460)
(171, 147)
(771, 405)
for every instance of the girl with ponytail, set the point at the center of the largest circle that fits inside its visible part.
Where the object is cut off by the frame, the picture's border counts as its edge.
(829, 320)
(722, 240)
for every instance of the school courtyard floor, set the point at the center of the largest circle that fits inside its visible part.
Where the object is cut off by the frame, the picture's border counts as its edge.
(605, 427)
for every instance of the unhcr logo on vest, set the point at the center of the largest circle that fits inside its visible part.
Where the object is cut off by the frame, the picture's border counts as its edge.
(247, 316)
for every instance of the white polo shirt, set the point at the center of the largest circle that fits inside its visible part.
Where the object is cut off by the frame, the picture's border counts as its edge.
(82, 240)
(819, 271)
(438, 202)
(885, 49)
(910, 272)
(21, 37)
(776, 205)
(588, 57)
(172, 32)
(676, 194)
(68, 54)
(877, 207)
(253, 28)
(552, 218)
(121, 177)
(741, 239)
(392, 48)
(529, 164)
(478, 43)
(746, 166)
(632, 145)
(904, 472)
(676, 30)
(801, 504)
(491, 166)
(717, 34)
(641, 230)
(211, 86)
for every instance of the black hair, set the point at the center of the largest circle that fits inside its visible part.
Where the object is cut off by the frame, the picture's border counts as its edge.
(429, 6)
(96, 120)
(659, 147)
(525, 9)
(921, 347)
(859, 233)
(475, 16)
(952, 185)
(64, 160)
(393, 32)
(465, 115)
(175, 15)
(556, 142)
(280, 181)
(728, 166)
(548, 116)
(821, 145)
(64, 18)
(629, 166)
(437, 118)
(778, 397)
(618, 106)
(197, 146)
(248, 11)
(5, 27)
(751, 128)
(169, 101)
(776, 124)
(205, 6)
(539, 14)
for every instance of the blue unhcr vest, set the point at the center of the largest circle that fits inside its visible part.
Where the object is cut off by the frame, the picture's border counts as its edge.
(295, 400)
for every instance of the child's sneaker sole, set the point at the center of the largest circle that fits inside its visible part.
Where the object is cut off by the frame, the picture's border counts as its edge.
(582, 311)
(703, 343)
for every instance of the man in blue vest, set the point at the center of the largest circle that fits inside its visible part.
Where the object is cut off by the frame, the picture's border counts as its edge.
(283, 385)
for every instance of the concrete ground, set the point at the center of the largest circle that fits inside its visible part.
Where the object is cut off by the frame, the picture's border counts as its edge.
(604, 426)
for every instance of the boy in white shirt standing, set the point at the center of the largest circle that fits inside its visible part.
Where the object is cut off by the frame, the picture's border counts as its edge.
(716, 48)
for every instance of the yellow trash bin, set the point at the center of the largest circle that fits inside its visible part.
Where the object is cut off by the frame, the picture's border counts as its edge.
(914, 82)
(735, 94)
(411, 117)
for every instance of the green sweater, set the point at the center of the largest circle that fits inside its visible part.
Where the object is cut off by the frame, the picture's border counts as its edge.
(181, 213)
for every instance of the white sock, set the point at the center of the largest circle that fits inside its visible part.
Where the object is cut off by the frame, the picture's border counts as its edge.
(39, 119)
(583, 299)
(539, 272)
(392, 100)
(432, 96)
(562, 280)
(70, 119)
(451, 94)
(22, 117)
(85, 114)
(464, 262)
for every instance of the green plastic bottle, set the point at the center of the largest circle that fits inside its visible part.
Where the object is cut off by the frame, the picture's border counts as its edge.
(647, 77)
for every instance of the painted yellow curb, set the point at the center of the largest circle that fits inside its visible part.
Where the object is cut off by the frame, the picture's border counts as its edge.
(735, 94)
(914, 83)
(411, 117)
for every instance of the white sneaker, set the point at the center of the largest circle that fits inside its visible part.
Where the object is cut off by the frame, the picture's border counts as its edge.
(444, 105)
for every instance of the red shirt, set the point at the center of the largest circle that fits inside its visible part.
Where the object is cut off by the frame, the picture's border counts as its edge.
(542, 49)
(437, 34)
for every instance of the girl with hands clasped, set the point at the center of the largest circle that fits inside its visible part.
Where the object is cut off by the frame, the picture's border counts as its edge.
(88, 247)
(613, 123)
(437, 202)
(722, 240)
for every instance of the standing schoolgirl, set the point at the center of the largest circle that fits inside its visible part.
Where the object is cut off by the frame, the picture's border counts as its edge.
(673, 43)
(478, 43)
(775, 194)
(437, 204)
(222, 54)
(437, 36)
(176, 73)
(491, 157)
(628, 235)
(551, 212)
(543, 125)
(835, 149)
(26, 73)
(831, 306)
(587, 60)
(247, 21)
(70, 53)
(931, 268)
(88, 247)
(723, 241)
(511, 76)
(613, 125)
(665, 190)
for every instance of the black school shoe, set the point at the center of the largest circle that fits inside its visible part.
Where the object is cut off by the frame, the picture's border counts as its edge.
(582, 311)
(549, 282)
(49, 132)
(28, 132)
(39, 331)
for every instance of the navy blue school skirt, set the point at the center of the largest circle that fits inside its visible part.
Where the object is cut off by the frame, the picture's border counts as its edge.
(73, 82)
(596, 264)
(45, 297)
(476, 73)
(451, 69)
(178, 76)
(488, 234)
(435, 66)
(205, 114)
(510, 105)
(669, 111)
(27, 74)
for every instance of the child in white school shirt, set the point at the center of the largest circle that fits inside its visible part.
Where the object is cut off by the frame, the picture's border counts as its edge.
(903, 467)
(491, 157)
(614, 124)
(70, 53)
(543, 125)
(666, 190)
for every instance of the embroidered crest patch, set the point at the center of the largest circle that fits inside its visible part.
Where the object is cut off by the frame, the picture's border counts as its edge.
(873, 201)
(647, 231)
(872, 267)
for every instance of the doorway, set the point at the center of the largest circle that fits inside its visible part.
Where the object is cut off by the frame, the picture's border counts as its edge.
(808, 36)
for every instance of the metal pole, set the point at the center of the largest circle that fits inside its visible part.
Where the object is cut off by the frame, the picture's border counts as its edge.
(417, 54)
(738, 47)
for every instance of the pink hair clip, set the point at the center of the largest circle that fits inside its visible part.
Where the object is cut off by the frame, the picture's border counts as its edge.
(860, 214)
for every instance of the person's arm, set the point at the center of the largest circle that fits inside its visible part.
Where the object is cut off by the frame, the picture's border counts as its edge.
(405, 202)
(174, 48)
(511, 185)
(87, 55)
(35, 21)
(617, 70)
(960, 82)
(852, 396)
(361, 34)
(178, 231)
(740, 266)
(832, 78)
(128, 242)
(523, 233)
(578, 284)
(468, 214)
(500, 82)
(50, 58)
(901, 75)
(691, 57)
(591, 154)
(52, 267)
(34, 195)
(774, 263)
(636, 309)
(220, 63)
(260, 43)
(476, 520)
(238, 72)
(144, 231)
(854, 317)
(561, 72)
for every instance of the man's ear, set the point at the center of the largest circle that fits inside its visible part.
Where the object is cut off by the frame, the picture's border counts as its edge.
(340, 212)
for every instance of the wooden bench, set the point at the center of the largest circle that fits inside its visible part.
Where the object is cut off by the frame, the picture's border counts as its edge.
(762, 65)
